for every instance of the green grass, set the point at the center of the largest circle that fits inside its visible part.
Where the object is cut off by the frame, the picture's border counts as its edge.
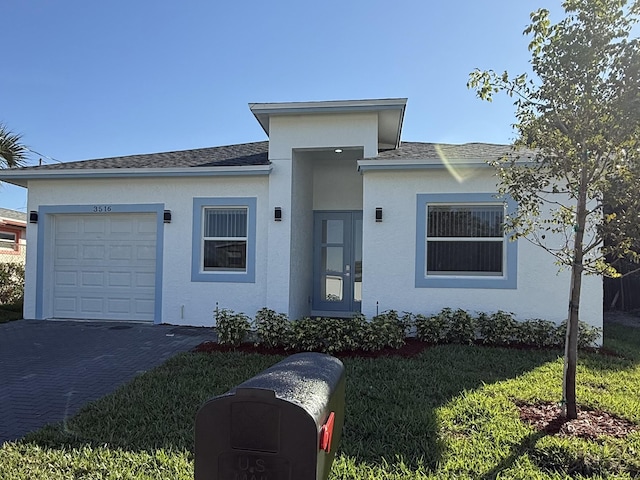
(448, 413)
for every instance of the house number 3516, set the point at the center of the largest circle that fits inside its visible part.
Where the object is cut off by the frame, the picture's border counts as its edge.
(101, 208)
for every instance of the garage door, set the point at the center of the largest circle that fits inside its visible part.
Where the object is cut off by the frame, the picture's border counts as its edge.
(104, 266)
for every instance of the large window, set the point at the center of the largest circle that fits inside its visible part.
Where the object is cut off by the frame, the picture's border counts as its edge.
(460, 242)
(224, 231)
(465, 239)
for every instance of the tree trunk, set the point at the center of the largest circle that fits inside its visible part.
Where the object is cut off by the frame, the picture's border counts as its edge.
(570, 409)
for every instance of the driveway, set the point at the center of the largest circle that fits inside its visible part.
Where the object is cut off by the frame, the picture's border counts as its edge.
(50, 369)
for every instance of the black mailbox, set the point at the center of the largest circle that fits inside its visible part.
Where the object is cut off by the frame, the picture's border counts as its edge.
(283, 424)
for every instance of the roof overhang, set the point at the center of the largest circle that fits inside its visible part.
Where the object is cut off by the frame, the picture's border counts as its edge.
(22, 177)
(8, 222)
(390, 114)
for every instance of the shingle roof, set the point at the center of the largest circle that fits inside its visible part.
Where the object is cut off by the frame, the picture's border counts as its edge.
(466, 151)
(257, 153)
(13, 215)
(239, 155)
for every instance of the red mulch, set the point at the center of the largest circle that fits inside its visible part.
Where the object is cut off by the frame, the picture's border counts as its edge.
(411, 348)
(590, 424)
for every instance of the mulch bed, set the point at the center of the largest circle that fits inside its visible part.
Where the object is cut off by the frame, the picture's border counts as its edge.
(590, 424)
(411, 348)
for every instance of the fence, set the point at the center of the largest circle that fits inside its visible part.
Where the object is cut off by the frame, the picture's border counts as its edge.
(622, 293)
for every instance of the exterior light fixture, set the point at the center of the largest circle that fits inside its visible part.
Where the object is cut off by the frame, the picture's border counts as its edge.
(338, 150)
(167, 216)
(277, 214)
(378, 214)
(33, 216)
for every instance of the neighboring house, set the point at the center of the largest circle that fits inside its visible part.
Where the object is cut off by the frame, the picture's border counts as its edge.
(332, 215)
(13, 227)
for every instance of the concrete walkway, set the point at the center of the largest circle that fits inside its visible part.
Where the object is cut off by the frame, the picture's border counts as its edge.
(49, 369)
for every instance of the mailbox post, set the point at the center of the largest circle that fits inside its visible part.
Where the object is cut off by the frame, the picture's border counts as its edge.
(283, 424)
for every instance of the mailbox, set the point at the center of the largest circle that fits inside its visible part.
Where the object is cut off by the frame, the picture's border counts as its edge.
(283, 424)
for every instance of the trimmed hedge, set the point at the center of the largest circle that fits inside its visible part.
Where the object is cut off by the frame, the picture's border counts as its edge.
(390, 330)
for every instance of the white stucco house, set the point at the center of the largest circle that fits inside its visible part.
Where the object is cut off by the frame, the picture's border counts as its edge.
(332, 215)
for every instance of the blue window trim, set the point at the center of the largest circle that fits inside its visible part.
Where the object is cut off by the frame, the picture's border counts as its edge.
(508, 281)
(44, 217)
(197, 275)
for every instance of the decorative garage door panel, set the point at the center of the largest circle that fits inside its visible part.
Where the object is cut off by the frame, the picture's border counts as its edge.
(105, 266)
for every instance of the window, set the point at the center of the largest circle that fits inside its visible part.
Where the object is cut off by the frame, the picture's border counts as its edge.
(223, 240)
(465, 239)
(8, 241)
(460, 242)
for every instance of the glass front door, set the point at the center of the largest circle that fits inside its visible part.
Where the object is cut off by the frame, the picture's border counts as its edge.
(337, 261)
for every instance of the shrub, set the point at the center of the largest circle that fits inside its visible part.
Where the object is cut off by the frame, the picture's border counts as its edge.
(385, 330)
(306, 335)
(11, 283)
(499, 328)
(273, 329)
(342, 334)
(328, 335)
(432, 329)
(232, 328)
(536, 332)
(587, 334)
(461, 327)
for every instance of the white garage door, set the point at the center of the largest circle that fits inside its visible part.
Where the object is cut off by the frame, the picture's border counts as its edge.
(104, 266)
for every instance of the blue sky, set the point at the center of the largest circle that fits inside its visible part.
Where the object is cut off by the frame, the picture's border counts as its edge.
(83, 79)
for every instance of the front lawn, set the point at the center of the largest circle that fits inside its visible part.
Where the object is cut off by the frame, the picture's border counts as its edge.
(448, 413)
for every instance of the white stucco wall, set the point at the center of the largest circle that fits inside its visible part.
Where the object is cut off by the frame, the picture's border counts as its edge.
(323, 131)
(389, 257)
(183, 302)
(337, 185)
(301, 275)
(301, 181)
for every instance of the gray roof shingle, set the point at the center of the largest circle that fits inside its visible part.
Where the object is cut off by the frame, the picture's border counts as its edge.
(257, 153)
(434, 151)
(243, 154)
(13, 215)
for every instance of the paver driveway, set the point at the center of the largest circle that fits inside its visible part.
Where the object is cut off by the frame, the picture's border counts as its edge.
(49, 369)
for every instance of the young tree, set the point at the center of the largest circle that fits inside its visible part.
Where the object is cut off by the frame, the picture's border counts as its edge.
(12, 152)
(581, 117)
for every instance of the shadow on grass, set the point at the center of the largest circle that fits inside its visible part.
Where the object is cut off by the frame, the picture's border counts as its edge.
(526, 447)
(392, 406)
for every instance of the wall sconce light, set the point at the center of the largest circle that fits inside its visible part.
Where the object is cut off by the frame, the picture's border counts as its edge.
(167, 216)
(378, 214)
(277, 214)
(33, 216)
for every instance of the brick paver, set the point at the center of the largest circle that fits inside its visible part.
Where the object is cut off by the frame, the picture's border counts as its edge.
(50, 369)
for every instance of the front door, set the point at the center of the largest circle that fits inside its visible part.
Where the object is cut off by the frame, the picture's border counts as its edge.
(337, 284)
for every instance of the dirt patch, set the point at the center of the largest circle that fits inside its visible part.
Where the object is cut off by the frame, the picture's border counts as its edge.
(590, 424)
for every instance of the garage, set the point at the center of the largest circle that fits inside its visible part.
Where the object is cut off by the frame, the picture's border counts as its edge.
(104, 266)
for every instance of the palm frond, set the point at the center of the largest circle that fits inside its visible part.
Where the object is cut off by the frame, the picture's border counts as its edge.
(13, 153)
